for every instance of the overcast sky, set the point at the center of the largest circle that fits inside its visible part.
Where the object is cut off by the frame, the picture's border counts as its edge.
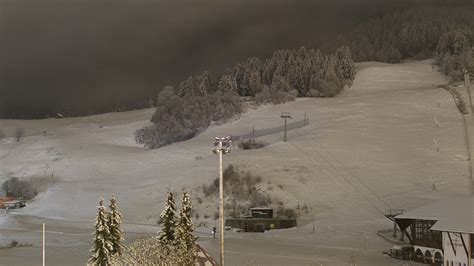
(96, 51)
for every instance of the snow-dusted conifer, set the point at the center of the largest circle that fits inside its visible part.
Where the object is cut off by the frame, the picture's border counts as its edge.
(168, 221)
(101, 247)
(115, 221)
(186, 251)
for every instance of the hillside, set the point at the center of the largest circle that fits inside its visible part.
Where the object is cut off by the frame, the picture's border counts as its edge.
(367, 150)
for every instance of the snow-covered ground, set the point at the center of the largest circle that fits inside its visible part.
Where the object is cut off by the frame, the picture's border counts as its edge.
(363, 152)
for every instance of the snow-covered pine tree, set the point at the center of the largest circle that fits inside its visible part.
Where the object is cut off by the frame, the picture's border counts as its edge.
(115, 220)
(255, 83)
(185, 240)
(168, 221)
(101, 247)
(346, 64)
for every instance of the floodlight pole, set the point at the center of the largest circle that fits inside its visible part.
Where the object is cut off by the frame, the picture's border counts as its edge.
(285, 115)
(221, 203)
(223, 145)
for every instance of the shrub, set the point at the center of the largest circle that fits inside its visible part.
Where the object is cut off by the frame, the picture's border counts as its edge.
(458, 99)
(305, 208)
(251, 144)
(13, 244)
(313, 93)
(241, 191)
(199, 200)
(19, 133)
(289, 213)
(17, 188)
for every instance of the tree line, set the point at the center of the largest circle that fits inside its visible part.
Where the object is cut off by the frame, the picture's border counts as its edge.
(455, 53)
(443, 31)
(407, 33)
(199, 101)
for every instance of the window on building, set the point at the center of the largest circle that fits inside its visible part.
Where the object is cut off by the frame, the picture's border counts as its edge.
(424, 236)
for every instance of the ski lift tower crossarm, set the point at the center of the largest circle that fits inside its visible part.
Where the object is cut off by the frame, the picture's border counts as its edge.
(285, 115)
(223, 146)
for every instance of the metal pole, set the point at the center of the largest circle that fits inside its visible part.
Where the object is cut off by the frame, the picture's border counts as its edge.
(43, 244)
(285, 115)
(394, 228)
(221, 205)
(467, 84)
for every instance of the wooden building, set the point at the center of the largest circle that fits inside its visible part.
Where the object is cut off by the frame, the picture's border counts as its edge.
(261, 219)
(424, 228)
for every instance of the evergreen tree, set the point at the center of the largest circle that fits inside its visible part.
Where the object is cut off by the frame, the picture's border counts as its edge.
(225, 100)
(227, 84)
(168, 221)
(346, 64)
(102, 246)
(186, 251)
(115, 220)
(331, 84)
(255, 83)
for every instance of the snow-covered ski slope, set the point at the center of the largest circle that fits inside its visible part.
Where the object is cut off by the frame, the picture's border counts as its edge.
(377, 135)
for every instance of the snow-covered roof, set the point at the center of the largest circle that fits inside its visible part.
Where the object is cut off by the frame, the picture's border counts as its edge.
(12, 202)
(453, 215)
(261, 208)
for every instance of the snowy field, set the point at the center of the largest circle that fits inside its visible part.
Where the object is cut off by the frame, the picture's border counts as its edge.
(363, 152)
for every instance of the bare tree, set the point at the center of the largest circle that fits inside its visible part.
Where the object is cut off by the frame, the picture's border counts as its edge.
(19, 133)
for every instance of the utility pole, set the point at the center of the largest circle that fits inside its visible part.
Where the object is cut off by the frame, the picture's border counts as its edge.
(467, 84)
(43, 244)
(285, 115)
(223, 145)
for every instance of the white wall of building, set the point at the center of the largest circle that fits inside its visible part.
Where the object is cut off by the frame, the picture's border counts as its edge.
(455, 253)
(432, 251)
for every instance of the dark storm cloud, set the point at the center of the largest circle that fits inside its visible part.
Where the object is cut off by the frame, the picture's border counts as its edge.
(97, 52)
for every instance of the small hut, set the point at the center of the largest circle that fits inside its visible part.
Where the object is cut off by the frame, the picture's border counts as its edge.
(261, 219)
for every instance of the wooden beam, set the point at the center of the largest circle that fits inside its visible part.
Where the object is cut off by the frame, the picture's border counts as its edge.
(464, 245)
(451, 241)
(409, 238)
